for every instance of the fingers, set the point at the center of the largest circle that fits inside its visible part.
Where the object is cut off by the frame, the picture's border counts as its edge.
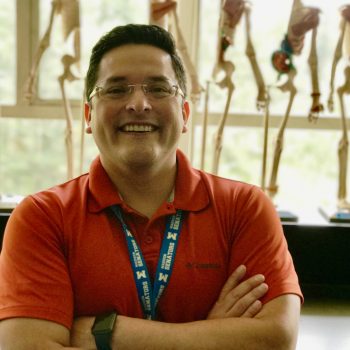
(233, 281)
(253, 309)
(251, 287)
(239, 297)
(245, 299)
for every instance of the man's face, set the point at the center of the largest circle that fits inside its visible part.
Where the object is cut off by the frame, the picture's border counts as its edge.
(137, 130)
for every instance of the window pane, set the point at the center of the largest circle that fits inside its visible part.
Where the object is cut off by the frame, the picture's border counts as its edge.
(96, 18)
(33, 154)
(33, 151)
(308, 171)
(8, 46)
(267, 32)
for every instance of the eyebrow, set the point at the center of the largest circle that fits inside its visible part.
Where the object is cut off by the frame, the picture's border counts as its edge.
(119, 79)
(158, 78)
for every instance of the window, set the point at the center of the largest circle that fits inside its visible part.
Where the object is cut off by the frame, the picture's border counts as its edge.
(32, 146)
(308, 170)
(32, 149)
(267, 32)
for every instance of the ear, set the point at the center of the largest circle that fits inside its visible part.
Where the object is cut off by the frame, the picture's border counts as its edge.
(185, 115)
(87, 114)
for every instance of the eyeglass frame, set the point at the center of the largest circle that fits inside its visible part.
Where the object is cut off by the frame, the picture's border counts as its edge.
(131, 87)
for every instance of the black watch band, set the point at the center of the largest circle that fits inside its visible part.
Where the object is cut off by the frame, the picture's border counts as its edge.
(103, 341)
(103, 329)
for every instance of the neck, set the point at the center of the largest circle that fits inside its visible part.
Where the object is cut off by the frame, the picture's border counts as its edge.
(144, 189)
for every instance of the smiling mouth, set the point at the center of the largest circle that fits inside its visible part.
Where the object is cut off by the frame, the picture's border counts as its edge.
(138, 128)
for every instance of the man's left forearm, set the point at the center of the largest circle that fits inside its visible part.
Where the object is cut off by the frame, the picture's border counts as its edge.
(275, 327)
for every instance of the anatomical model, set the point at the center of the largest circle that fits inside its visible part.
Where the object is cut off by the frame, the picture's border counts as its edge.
(162, 13)
(342, 49)
(231, 13)
(302, 20)
(69, 12)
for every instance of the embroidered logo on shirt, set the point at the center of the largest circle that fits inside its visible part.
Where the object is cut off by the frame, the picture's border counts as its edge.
(204, 266)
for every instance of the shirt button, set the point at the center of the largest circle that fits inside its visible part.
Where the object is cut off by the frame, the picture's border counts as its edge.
(149, 239)
(169, 206)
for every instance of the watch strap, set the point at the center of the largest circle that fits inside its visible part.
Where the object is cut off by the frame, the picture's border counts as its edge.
(102, 341)
(103, 329)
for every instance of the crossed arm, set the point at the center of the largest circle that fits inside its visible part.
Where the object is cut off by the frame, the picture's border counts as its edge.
(236, 321)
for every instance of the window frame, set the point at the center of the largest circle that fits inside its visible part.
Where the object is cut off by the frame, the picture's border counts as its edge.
(27, 41)
(27, 27)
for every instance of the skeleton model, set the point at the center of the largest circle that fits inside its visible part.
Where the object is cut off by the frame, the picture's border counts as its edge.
(342, 48)
(163, 12)
(302, 20)
(231, 13)
(69, 12)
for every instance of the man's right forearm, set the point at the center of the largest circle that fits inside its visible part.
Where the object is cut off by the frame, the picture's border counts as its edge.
(33, 334)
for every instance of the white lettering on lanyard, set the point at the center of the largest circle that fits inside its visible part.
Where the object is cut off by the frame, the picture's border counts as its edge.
(149, 296)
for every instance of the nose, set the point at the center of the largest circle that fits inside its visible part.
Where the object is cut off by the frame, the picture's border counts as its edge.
(138, 101)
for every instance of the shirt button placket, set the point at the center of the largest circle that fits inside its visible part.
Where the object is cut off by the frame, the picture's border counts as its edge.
(169, 206)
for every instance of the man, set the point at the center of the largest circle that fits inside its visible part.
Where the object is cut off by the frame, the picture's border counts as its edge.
(145, 252)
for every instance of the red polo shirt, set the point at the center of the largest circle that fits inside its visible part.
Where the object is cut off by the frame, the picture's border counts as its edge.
(65, 255)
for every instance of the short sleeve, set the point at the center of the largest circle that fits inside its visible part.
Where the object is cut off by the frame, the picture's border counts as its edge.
(34, 276)
(260, 244)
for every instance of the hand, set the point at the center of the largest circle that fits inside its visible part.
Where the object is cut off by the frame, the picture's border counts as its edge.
(239, 299)
(81, 335)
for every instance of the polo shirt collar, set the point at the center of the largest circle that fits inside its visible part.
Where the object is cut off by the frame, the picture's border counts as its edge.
(191, 193)
(103, 193)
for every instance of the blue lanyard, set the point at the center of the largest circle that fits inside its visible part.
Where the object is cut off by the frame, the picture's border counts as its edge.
(149, 297)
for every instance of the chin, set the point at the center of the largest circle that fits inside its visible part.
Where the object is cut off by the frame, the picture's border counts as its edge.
(141, 157)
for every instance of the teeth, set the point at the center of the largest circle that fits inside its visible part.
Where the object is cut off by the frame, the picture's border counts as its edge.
(138, 128)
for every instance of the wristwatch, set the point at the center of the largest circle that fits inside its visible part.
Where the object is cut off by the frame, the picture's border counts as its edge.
(102, 330)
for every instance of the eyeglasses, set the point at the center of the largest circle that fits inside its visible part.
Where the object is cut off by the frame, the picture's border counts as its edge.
(119, 91)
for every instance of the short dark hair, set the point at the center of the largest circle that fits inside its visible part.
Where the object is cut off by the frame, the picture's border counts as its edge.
(134, 34)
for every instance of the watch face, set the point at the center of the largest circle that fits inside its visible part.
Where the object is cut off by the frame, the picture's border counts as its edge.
(104, 323)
